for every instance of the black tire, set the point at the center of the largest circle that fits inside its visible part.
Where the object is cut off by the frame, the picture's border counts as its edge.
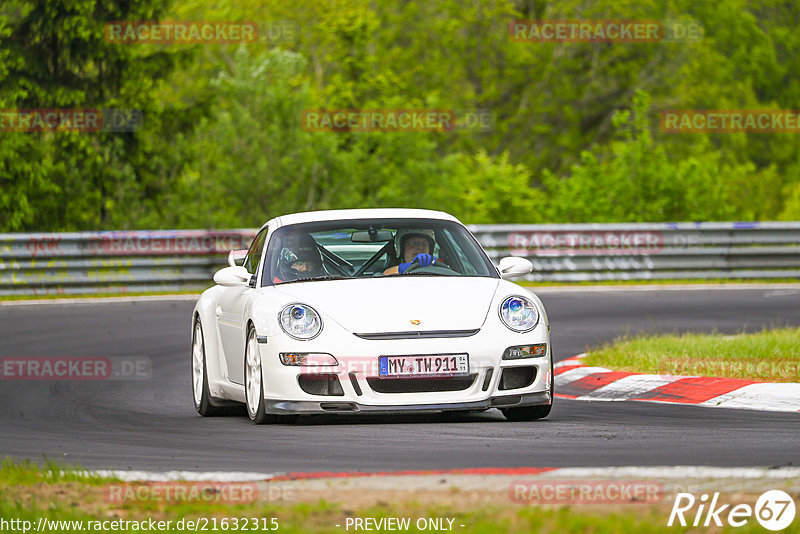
(205, 406)
(532, 413)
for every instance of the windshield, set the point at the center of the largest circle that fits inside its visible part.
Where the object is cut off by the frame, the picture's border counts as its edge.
(372, 248)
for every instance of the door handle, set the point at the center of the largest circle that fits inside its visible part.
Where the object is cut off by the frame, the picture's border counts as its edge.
(219, 311)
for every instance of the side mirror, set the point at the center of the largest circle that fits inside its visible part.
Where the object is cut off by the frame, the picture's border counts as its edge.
(236, 257)
(232, 277)
(513, 266)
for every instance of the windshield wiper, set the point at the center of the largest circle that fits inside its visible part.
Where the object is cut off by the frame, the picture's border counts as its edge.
(316, 278)
(419, 274)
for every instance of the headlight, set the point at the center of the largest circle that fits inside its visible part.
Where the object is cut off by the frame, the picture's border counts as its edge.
(519, 314)
(300, 321)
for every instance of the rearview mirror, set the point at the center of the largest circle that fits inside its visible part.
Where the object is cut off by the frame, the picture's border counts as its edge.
(371, 236)
(232, 277)
(514, 266)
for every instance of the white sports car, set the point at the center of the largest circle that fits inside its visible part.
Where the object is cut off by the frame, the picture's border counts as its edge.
(370, 310)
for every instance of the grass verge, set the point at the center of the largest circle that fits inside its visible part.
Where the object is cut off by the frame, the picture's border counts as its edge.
(29, 494)
(28, 473)
(769, 356)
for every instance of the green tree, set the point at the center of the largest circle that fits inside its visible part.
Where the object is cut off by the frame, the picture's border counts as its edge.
(635, 179)
(54, 55)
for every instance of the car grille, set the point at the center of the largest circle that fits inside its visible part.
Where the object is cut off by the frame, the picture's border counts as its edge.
(424, 334)
(420, 385)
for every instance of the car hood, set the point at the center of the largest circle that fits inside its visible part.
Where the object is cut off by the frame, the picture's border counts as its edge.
(378, 305)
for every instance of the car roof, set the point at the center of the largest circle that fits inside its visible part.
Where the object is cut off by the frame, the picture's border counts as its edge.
(371, 213)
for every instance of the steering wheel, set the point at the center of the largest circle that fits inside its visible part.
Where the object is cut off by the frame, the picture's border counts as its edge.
(438, 263)
(414, 265)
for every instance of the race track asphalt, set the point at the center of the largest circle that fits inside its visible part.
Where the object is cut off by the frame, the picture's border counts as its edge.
(151, 424)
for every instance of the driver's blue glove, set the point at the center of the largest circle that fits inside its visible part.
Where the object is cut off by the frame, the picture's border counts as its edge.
(423, 259)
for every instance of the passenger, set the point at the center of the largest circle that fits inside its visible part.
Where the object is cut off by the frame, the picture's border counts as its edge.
(299, 261)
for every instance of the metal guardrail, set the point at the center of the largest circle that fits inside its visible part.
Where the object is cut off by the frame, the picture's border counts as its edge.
(649, 251)
(114, 262)
(168, 260)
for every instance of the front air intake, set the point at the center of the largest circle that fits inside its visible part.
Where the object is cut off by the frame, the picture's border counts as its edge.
(321, 384)
(517, 377)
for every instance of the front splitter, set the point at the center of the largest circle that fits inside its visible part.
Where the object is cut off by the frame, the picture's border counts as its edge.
(282, 407)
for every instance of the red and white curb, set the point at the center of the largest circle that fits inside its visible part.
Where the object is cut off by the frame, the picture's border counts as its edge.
(574, 380)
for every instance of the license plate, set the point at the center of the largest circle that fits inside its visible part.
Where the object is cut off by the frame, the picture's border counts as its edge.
(423, 365)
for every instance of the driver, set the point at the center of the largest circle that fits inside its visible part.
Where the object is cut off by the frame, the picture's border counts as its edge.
(300, 258)
(413, 244)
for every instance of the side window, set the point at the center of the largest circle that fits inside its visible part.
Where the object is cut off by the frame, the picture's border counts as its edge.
(254, 254)
(461, 263)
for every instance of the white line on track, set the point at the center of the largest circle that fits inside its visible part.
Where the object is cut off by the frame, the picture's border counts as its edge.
(789, 289)
(188, 476)
(664, 472)
(775, 290)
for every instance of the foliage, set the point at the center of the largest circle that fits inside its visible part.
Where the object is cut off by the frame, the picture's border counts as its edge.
(53, 56)
(575, 136)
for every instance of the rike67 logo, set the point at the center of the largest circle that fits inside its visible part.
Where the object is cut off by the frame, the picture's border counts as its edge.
(774, 510)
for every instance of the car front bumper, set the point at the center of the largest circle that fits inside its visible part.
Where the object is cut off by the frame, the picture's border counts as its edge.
(359, 389)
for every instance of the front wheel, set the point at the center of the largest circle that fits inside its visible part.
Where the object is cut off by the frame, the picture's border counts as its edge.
(254, 386)
(532, 413)
(253, 383)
